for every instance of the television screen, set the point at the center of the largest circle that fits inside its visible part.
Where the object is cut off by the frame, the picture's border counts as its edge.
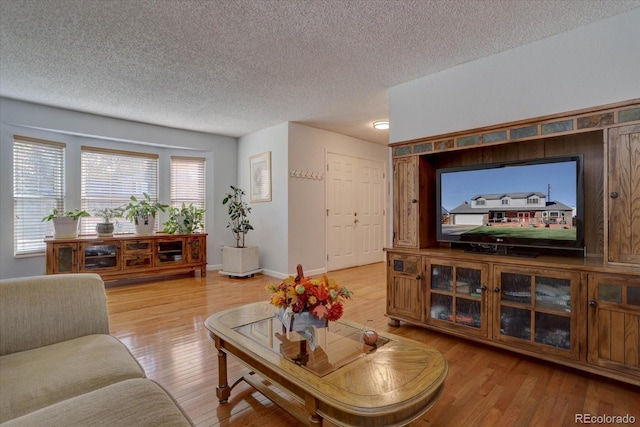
(536, 203)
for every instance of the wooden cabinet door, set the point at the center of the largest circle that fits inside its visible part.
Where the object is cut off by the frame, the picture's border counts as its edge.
(62, 258)
(404, 287)
(405, 202)
(614, 323)
(456, 297)
(624, 194)
(196, 249)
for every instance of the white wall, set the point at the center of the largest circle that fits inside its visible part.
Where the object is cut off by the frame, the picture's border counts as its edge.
(269, 219)
(593, 65)
(77, 129)
(290, 230)
(307, 198)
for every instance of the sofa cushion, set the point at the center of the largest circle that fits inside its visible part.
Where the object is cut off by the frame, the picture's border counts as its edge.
(43, 310)
(135, 402)
(33, 379)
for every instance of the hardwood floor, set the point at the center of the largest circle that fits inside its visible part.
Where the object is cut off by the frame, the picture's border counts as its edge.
(161, 322)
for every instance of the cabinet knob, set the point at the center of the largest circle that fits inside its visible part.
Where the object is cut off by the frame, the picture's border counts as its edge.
(592, 303)
(418, 277)
(483, 288)
(613, 195)
(496, 290)
(414, 201)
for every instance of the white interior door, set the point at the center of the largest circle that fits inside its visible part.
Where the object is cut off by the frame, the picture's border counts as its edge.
(341, 209)
(355, 211)
(370, 213)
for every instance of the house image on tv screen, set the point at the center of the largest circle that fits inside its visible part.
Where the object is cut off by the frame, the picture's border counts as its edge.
(512, 210)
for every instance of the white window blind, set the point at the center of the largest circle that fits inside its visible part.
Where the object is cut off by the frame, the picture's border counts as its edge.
(109, 179)
(38, 187)
(187, 181)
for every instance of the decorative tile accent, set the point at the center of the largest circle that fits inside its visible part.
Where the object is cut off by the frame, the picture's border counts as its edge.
(595, 121)
(524, 132)
(410, 267)
(629, 115)
(494, 136)
(401, 151)
(423, 148)
(444, 145)
(468, 140)
(555, 127)
(398, 265)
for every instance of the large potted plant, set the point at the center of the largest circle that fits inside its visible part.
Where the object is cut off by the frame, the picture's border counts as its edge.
(65, 224)
(142, 213)
(184, 220)
(240, 260)
(106, 227)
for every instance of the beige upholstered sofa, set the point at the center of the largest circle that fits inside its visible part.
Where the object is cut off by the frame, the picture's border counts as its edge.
(60, 367)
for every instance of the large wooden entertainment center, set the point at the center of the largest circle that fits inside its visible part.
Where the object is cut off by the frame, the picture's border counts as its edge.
(582, 312)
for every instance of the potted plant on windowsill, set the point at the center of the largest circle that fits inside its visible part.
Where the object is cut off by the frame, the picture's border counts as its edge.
(184, 220)
(106, 227)
(240, 260)
(65, 224)
(142, 213)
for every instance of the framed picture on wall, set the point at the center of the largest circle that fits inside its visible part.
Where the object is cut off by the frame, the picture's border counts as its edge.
(260, 179)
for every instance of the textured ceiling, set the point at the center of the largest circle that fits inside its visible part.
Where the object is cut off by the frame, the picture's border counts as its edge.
(233, 67)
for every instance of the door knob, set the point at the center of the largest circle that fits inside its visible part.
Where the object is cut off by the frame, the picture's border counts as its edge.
(355, 220)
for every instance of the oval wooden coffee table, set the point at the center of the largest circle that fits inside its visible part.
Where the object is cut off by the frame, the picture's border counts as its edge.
(342, 379)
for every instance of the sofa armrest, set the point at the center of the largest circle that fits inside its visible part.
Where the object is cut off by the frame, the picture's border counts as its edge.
(42, 310)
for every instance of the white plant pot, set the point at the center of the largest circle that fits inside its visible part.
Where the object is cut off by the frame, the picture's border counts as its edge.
(65, 228)
(240, 261)
(145, 224)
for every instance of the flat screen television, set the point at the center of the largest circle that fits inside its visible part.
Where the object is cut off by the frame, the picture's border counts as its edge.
(518, 207)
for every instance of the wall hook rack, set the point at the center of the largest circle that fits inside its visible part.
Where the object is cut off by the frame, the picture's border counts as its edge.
(306, 174)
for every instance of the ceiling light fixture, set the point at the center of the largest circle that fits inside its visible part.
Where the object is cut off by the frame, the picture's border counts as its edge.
(381, 125)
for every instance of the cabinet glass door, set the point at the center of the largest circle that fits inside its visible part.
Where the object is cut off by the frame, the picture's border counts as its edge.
(535, 306)
(98, 256)
(456, 295)
(65, 258)
(170, 252)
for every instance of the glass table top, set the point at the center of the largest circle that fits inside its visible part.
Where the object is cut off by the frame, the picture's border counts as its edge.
(320, 350)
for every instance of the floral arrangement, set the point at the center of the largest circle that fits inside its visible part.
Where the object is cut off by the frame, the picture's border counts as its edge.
(321, 297)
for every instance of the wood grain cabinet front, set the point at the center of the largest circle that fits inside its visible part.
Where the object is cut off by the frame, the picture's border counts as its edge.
(405, 287)
(614, 323)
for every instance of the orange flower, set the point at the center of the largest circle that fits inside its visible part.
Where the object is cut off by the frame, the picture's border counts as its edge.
(322, 297)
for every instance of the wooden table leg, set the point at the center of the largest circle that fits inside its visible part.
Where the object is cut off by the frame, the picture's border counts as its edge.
(223, 391)
(311, 405)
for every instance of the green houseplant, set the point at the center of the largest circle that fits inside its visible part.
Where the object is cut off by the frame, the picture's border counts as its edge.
(238, 212)
(106, 227)
(142, 213)
(65, 224)
(240, 260)
(184, 220)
